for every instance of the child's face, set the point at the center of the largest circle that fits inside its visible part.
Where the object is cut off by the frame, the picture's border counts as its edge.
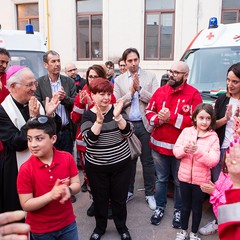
(39, 143)
(203, 121)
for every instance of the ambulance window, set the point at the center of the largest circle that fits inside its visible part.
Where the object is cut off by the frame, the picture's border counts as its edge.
(208, 66)
(32, 60)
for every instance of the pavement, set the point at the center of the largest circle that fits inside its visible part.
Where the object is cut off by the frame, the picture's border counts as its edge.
(138, 220)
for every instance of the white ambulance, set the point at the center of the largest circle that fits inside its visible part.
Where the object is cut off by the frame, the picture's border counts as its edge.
(26, 48)
(210, 54)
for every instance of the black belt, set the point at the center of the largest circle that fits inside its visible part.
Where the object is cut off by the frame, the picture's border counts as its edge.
(137, 121)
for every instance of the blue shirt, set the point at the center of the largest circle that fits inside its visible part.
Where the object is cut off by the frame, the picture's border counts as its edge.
(134, 114)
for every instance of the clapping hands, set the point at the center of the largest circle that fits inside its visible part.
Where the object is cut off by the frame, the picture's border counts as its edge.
(61, 191)
(85, 97)
(51, 105)
(118, 108)
(191, 147)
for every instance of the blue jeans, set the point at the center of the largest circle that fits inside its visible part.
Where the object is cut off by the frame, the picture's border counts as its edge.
(69, 232)
(164, 166)
(218, 168)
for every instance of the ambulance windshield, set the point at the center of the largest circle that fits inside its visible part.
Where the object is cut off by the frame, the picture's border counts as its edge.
(208, 66)
(30, 59)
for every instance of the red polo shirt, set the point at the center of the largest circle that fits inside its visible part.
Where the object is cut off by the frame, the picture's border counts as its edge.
(39, 178)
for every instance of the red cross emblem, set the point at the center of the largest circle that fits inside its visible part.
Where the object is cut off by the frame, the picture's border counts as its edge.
(210, 35)
(186, 108)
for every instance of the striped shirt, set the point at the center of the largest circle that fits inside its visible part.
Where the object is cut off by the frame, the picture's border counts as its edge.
(110, 146)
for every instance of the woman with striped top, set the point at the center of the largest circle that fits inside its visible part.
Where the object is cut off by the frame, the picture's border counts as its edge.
(107, 161)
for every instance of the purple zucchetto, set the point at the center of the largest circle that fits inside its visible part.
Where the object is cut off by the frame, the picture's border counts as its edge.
(12, 70)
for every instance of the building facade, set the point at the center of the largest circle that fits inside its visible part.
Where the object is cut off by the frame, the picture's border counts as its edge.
(95, 31)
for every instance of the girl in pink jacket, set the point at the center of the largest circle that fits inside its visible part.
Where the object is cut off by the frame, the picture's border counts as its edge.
(198, 149)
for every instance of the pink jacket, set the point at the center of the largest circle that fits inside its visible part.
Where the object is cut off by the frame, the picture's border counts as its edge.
(195, 168)
(218, 198)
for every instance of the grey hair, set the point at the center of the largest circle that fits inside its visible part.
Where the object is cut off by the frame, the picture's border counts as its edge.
(45, 55)
(17, 77)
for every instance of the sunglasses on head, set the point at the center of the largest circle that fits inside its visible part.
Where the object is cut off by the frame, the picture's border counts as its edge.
(40, 119)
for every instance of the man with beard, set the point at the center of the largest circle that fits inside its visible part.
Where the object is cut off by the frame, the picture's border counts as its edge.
(136, 86)
(4, 60)
(169, 112)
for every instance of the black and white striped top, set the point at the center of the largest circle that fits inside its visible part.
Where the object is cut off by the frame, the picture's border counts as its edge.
(110, 146)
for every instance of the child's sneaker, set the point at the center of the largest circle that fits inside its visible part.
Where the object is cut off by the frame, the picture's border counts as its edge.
(194, 236)
(176, 222)
(209, 228)
(183, 235)
(157, 216)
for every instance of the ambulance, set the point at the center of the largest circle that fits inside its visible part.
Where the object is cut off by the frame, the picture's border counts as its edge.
(209, 55)
(26, 48)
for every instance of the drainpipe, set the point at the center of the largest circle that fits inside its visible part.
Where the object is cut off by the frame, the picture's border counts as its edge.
(48, 27)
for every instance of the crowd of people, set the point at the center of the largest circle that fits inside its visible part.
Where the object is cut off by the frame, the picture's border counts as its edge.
(183, 139)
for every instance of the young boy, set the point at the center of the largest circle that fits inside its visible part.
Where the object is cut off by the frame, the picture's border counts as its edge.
(46, 182)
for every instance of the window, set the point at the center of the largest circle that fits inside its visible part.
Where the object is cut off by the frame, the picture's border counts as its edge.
(27, 14)
(89, 30)
(230, 11)
(159, 30)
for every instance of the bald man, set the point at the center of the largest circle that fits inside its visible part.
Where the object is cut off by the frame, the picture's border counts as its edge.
(169, 112)
(72, 72)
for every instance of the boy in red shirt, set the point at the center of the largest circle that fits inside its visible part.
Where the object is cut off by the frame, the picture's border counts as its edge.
(46, 182)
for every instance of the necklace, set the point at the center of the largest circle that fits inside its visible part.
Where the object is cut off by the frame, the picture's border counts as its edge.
(105, 113)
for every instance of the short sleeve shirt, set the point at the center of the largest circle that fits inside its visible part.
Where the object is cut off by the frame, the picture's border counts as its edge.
(38, 178)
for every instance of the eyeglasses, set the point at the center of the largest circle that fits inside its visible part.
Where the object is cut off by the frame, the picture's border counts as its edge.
(72, 70)
(40, 119)
(92, 76)
(174, 72)
(122, 65)
(109, 68)
(29, 85)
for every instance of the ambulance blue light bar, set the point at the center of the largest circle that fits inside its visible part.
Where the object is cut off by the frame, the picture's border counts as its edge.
(213, 22)
(29, 29)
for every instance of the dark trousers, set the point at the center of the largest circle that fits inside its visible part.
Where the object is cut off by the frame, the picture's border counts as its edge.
(192, 200)
(64, 140)
(146, 160)
(109, 182)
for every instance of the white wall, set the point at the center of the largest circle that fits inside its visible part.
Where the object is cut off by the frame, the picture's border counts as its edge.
(124, 22)
(8, 14)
